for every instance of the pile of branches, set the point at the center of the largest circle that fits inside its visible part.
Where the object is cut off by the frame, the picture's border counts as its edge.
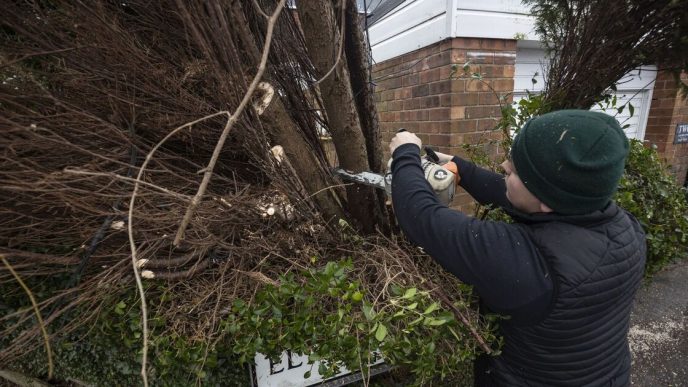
(111, 115)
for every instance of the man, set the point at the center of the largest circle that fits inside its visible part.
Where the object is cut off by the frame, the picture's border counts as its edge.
(565, 273)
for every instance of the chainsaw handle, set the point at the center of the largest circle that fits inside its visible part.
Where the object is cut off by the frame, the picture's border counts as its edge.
(432, 156)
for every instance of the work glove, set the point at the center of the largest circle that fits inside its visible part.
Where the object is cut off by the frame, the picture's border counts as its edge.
(402, 138)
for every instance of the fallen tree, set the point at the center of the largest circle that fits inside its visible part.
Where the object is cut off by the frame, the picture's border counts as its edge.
(177, 145)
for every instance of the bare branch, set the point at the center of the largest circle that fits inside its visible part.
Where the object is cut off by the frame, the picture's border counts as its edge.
(129, 180)
(230, 123)
(46, 339)
(132, 244)
(260, 10)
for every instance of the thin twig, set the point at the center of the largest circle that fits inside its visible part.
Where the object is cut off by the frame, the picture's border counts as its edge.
(230, 123)
(132, 244)
(127, 179)
(260, 10)
(46, 339)
(443, 297)
(329, 187)
(18, 379)
(341, 46)
(10, 63)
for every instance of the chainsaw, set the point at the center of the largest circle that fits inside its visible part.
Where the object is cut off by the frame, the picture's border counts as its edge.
(442, 178)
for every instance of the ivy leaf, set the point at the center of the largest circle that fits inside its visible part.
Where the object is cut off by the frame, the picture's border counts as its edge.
(119, 308)
(410, 293)
(395, 290)
(433, 307)
(433, 322)
(631, 109)
(381, 332)
(313, 357)
(368, 311)
(307, 374)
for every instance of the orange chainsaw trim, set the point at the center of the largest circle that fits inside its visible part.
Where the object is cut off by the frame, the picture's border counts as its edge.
(453, 168)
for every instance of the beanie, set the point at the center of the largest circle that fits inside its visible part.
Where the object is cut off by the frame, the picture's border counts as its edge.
(571, 160)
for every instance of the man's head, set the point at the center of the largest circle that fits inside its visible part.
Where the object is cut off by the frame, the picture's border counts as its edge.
(568, 161)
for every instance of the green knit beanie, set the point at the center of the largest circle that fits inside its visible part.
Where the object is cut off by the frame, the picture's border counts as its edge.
(571, 160)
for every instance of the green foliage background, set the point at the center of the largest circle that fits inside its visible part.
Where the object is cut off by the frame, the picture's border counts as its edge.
(108, 352)
(650, 193)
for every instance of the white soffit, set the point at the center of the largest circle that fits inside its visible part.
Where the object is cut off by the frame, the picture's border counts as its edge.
(497, 19)
(412, 25)
(415, 24)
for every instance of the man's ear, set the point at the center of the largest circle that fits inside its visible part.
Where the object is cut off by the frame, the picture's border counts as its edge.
(545, 208)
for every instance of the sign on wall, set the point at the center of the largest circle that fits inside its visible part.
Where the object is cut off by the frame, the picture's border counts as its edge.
(681, 134)
(294, 370)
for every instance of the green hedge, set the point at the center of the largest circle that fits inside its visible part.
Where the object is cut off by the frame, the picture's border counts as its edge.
(322, 311)
(650, 193)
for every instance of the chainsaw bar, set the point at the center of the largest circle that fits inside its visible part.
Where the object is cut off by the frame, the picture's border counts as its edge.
(368, 178)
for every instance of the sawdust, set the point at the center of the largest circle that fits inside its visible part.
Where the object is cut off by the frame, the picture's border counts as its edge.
(644, 338)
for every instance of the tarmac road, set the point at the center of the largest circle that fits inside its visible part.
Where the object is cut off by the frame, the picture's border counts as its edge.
(659, 330)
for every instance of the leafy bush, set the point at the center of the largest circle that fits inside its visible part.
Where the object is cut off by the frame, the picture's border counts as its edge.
(330, 318)
(108, 353)
(651, 194)
(322, 312)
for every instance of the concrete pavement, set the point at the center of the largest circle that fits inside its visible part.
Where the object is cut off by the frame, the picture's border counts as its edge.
(659, 330)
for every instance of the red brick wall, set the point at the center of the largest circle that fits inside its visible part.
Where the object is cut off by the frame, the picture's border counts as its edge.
(667, 110)
(416, 91)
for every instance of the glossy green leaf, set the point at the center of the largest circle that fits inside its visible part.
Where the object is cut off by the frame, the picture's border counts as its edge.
(381, 332)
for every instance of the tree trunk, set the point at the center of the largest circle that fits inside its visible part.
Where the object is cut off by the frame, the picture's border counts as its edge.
(302, 158)
(322, 38)
(359, 67)
(359, 61)
(284, 132)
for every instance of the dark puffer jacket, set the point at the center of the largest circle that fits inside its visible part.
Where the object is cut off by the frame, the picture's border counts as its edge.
(567, 282)
(596, 262)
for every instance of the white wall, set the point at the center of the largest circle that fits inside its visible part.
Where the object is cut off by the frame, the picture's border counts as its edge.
(419, 23)
(412, 25)
(498, 19)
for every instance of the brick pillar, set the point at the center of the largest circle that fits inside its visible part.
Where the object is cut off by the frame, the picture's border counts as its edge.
(668, 109)
(416, 91)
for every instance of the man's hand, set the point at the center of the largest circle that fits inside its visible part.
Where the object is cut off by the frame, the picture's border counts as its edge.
(402, 138)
